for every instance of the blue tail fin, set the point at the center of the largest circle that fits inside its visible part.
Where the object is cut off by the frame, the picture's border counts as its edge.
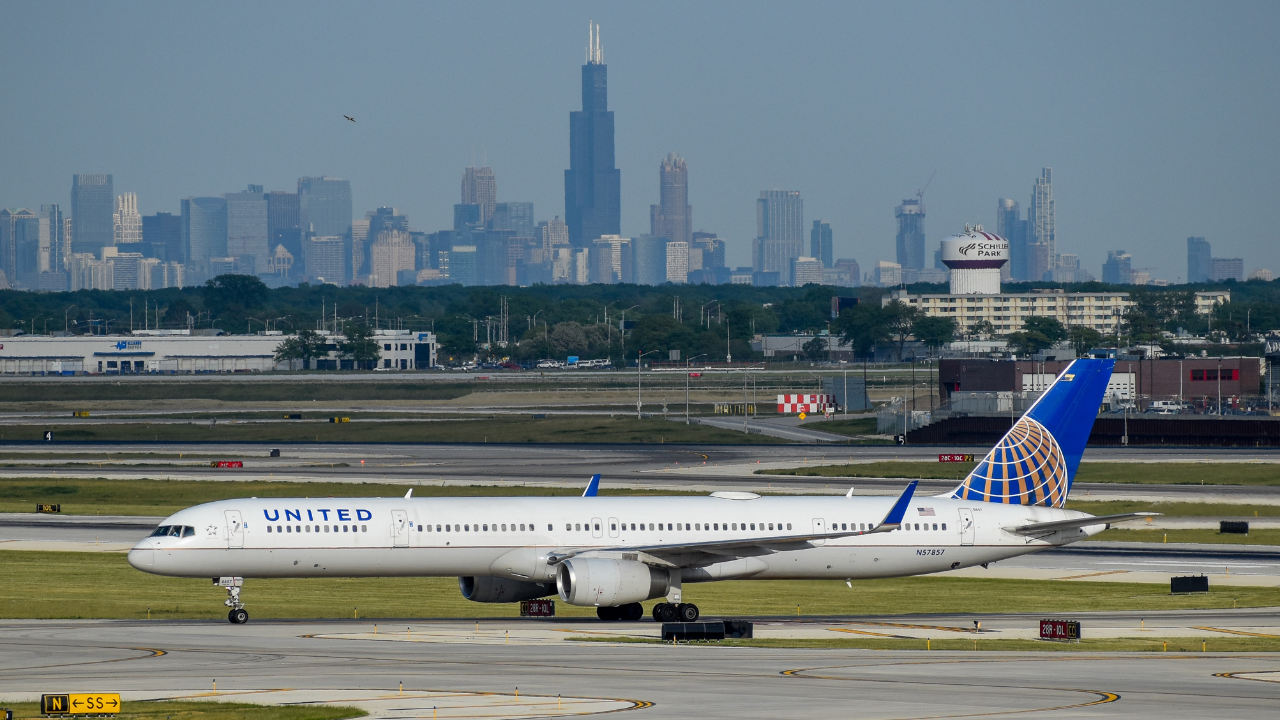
(1035, 462)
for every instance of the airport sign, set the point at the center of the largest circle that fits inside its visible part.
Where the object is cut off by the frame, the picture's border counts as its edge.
(80, 704)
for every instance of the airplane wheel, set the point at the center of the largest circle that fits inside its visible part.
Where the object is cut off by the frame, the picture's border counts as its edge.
(687, 612)
(668, 613)
(238, 617)
(657, 611)
(606, 613)
(631, 612)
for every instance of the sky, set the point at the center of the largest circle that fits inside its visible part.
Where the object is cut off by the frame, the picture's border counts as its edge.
(1159, 119)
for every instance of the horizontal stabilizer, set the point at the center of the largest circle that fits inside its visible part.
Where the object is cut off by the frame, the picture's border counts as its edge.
(1050, 527)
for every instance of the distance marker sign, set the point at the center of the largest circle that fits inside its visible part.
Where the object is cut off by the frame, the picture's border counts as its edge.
(80, 704)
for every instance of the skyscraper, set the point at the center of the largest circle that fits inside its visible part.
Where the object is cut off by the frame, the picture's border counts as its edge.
(92, 209)
(592, 185)
(283, 227)
(1040, 224)
(324, 206)
(820, 243)
(910, 239)
(779, 231)
(1118, 269)
(162, 237)
(126, 222)
(672, 218)
(516, 216)
(51, 225)
(204, 233)
(1011, 227)
(1199, 260)
(480, 187)
(247, 229)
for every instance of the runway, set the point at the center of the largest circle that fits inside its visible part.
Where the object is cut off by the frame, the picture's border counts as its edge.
(475, 673)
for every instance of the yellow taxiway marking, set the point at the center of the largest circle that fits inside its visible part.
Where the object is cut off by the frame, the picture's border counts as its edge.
(876, 634)
(1097, 574)
(1236, 632)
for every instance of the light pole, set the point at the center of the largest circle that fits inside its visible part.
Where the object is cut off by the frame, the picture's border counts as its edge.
(686, 385)
(66, 319)
(638, 366)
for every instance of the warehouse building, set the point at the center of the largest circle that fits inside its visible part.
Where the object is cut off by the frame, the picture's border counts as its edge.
(181, 352)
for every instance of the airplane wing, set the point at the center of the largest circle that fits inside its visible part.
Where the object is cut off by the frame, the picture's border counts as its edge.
(664, 554)
(1051, 527)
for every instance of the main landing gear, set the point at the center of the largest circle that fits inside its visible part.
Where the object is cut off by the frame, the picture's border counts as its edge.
(675, 612)
(237, 615)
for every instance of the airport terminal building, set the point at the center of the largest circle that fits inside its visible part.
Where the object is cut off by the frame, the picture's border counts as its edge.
(181, 352)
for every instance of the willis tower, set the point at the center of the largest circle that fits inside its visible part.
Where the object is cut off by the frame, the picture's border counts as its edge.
(592, 185)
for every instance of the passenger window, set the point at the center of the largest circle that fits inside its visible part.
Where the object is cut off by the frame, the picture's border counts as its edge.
(364, 528)
(935, 526)
(788, 526)
(944, 526)
(504, 527)
(346, 528)
(577, 527)
(308, 527)
(268, 529)
(288, 528)
(770, 526)
(597, 526)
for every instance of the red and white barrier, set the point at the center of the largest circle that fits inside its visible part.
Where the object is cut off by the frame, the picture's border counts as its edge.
(805, 403)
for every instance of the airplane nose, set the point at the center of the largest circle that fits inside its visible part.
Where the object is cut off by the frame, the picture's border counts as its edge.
(142, 558)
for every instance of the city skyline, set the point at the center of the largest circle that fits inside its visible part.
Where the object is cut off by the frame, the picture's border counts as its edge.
(849, 181)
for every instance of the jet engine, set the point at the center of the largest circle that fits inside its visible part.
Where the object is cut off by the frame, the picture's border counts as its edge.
(602, 582)
(489, 589)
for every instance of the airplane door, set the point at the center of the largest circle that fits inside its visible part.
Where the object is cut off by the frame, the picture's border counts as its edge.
(596, 528)
(400, 528)
(235, 529)
(966, 526)
(819, 527)
(613, 527)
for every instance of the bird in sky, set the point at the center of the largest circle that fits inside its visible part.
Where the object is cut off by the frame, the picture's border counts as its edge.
(349, 118)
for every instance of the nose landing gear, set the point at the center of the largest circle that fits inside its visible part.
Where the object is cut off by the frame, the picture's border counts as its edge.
(237, 615)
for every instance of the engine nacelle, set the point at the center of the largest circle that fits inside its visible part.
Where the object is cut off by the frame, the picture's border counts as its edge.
(603, 582)
(489, 589)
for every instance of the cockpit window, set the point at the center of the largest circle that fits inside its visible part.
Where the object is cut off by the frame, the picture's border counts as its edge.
(188, 531)
(162, 531)
(174, 531)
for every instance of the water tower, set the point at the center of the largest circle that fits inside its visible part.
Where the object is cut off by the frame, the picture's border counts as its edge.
(975, 258)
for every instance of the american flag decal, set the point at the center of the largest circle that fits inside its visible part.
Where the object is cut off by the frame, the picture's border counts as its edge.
(925, 512)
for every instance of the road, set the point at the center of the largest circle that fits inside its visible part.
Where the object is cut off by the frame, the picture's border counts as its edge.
(469, 670)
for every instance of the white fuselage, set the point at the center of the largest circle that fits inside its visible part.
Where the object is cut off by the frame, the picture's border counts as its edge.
(512, 537)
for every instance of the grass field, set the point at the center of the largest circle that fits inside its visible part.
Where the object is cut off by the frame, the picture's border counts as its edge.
(1099, 472)
(1127, 644)
(206, 710)
(164, 497)
(483, 429)
(103, 585)
(854, 427)
(1175, 509)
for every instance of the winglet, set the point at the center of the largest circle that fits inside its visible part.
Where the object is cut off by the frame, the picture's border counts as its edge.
(899, 511)
(593, 487)
(408, 494)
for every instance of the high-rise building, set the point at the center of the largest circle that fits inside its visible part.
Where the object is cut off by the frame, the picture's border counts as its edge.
(851, 268)
(592, 185)
(51, 227)
(672, 218)
(204, 231)
(325, 259)
(162, 236)
(19, 236)
(649, 259)
(324, 206)
(480, 187)
(910, 238)
(779, 231)
(710, 247)
(126, 223)
(1223, 269)
(806, 271)
(390, 253)
(820, 245)
(1118, 268)
(1040, 224)
(1011, 227)
(1199, 260)
(283, 224)
(463, 265)
(248, 229)
(554, 233)
(677, 262)
(93, 204)
(514, 216)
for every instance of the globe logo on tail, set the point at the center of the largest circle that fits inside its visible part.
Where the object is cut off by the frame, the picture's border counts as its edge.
(1026, 467)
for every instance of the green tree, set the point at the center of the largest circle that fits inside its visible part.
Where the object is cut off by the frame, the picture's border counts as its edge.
(1083, 339)
(359, 345)
(899, 319)
(816, 349)
(934, 331)
(304, 346)
(234, 294)
(982, 327)
(1049, 327)
(862, 326)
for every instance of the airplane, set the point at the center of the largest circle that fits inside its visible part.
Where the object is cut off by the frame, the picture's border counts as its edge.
(349, 118)
(613, 553)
